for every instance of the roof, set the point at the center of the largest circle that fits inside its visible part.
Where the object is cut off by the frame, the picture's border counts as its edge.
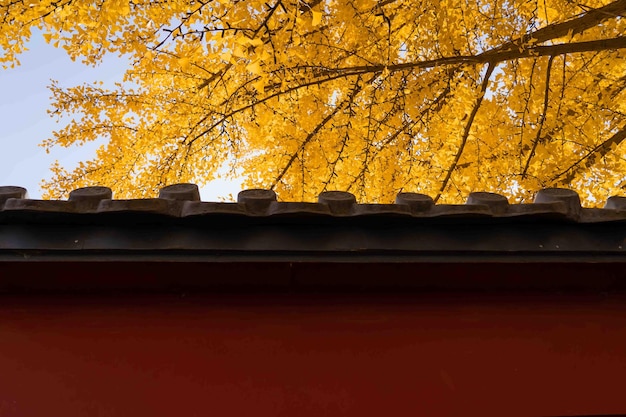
(336, 236)
(182, 201)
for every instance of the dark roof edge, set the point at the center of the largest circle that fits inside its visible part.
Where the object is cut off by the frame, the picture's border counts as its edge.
(376, 237)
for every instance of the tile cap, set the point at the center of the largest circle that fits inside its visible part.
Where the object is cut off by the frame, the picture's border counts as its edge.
(183, 192)
(339, 202)
(563, 195)
(497, 203)
(89, 198)
(417, 202)
(11, 191)
(257, 201)
(616, 203)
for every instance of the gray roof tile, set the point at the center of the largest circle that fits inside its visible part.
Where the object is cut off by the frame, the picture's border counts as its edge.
(183, 201)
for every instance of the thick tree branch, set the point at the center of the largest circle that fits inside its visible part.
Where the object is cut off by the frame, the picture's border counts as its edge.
(574, 26)
(496, 56)
(558, 49)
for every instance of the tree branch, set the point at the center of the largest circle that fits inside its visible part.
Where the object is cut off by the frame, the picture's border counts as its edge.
(356, 90)
(263, 24)
(435, 106)
(558, 49)
(590, 157)
(575, 26)
(496, 56)
(615, 43)
(542, 119)
(466, 132)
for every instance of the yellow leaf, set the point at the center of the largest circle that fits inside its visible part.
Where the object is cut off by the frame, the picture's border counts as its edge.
(254, 67)
(317, 18)
(184, 63)
(259, 85)
(226, 56)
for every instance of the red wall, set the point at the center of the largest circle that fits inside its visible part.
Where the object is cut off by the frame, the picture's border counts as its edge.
(307, 355)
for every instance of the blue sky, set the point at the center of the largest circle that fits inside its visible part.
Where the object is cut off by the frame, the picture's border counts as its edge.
(24, 123)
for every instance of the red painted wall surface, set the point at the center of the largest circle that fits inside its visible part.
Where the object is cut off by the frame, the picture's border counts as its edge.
(312, 355)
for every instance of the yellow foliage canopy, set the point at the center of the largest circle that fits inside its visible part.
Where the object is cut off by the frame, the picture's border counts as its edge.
(442, 97)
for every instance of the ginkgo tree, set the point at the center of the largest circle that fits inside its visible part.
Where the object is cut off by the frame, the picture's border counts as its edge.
(442, 97)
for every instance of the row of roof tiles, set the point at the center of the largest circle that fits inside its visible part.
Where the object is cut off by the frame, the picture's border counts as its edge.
(183, 200)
